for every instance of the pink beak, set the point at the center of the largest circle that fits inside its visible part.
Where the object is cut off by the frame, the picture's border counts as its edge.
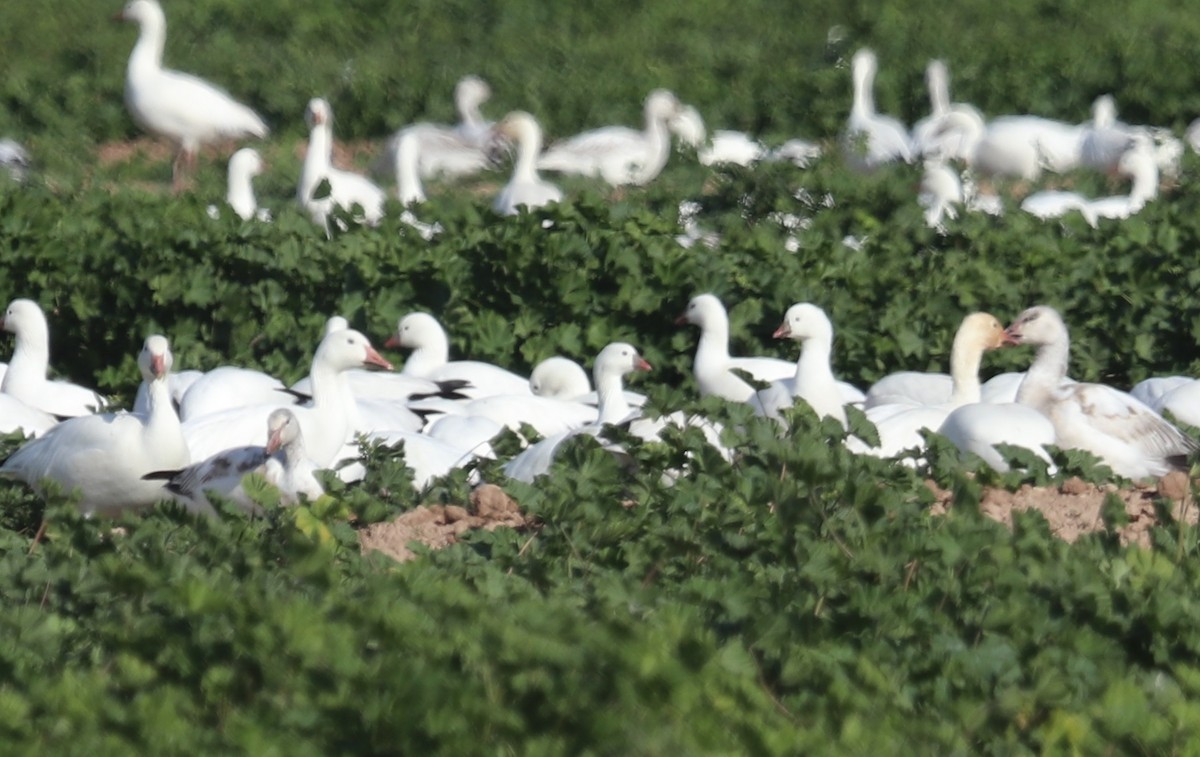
(783, 331)
(641, 365)
(681, 320)
(375, 360)
(158, 366)
(393, 342)
(274, 441)
(1012, 335)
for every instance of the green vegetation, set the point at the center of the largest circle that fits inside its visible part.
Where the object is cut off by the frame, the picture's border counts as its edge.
(802, 600)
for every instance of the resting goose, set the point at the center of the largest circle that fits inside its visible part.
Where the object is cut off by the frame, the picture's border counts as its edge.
(104, 457)
(346, 189)
(183, 108)
(430, 359)
(525, 188)
(327, 422)
(229, 387)
(979, 426)
(245, 164)
(282, 462)
(872, 140)
(25, 378)
(813, 381)
(618, 154)
(1128, 436)
(927, 136)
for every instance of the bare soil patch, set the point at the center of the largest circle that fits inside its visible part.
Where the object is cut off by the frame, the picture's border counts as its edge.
(439, 526)
(1073, 508)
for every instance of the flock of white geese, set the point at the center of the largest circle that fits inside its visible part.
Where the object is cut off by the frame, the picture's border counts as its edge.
(193, 434)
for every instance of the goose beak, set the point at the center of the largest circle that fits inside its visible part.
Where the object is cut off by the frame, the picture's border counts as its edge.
(783, 331)
(1012, 336)
(393, 342)
(681, 320)
(641, 365)
(158, 366)
(275, 441)
(375, 360)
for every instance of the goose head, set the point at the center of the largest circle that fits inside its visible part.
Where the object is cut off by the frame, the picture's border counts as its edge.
(688, 126)
(1038, 325)
(980, 332)
(155, 359)
(246, 162)
(617, 359)
(804, 321)
(702, 310)
(470, 93)
(142, 12)
(335, 323)
(517, 127)
(317, 113)
(559, 377)
(343, 350)
(22, 316)
(1104, 112)
(282, 429)
(661, 105)
(416, 330)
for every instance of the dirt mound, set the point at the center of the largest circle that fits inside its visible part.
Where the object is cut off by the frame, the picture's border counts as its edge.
(439, 526)
(1073, 508)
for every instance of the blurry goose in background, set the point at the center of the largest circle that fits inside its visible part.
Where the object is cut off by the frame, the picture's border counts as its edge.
(1124, 433)
(408, 184)
(282, 462)
(14, 159)
(183, 108)
(1105, 139)
(799, 152)
(927, 135)
(244, 165)
(346, 189)
(26, 379)
(941, 193)
(1022, 146)
(449, 151)
(104, 457)
(871, 139)
(525, 188)
(618, 154)
(1051, 204)
(1138, 162)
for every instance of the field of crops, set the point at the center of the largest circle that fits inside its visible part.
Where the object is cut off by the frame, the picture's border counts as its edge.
(800, 599)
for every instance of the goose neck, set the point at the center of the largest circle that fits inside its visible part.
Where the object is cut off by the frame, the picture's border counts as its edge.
(148, 50)
(316, 161)
(529, 144)
(610, 393)
(408, 177)
(965, 358)
(1047, 372)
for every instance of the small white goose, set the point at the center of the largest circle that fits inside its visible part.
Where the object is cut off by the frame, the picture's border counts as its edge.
(245, 164)
(525, 188)
(872, 140)
(104, 457)
(282, 462)
(813, 382)
(618, 154)
(346, 189)
(450, 151)
(1127, 435)
(183, 108)
(26, 379)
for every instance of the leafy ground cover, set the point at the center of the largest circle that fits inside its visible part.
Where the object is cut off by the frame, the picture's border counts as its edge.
(801, 600)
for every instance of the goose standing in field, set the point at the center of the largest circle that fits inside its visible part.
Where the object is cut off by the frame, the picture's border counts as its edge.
(327, 423)
(346, 189)
(618, 154)
(525, 188)
(282, 462)
(26, 379)
(104, 457)
(430, 359)
(872, 139)
(245, 164)
(900, 425)
(813, 381)
(927, 136)
(183, 108)
(1125, 434)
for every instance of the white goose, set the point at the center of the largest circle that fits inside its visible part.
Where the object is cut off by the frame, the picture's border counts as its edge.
(14, 159)
(282, 462)
(346, 189)
(1183, 401)
(559, 378)
(1138, 162)
(244, 165)
(941, 193)
(25, 378)
(229, 387)
(813, 382)
(105, 456)
(927, 135)
(900, 425)
(327, 423)
(1128, 436)
(430, 359)
(451, 151)
(183, 108)
(618, 154)
(408, 184)
(872, 139)
(979, 426)
(525, 188)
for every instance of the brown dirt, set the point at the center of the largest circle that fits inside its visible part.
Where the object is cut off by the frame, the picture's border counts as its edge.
(1073, 508)
(439, 526)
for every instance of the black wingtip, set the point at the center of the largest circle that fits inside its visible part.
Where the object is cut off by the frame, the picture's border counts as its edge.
(160, 475)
